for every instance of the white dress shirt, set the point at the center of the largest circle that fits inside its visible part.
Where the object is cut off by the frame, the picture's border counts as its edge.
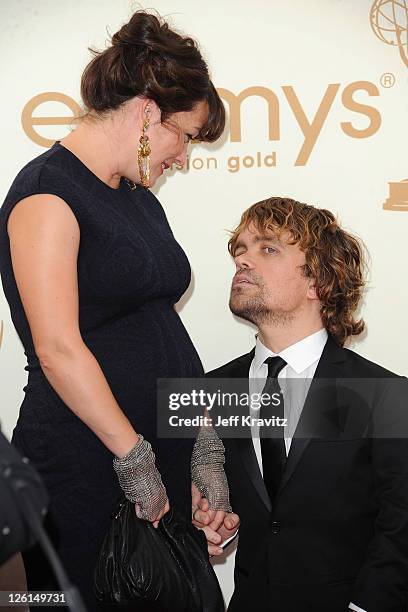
(301, 359)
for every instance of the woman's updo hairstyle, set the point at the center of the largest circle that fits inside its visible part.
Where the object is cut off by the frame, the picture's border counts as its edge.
(149, 59)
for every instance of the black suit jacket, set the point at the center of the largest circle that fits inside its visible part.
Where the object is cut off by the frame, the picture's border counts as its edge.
(338, 528)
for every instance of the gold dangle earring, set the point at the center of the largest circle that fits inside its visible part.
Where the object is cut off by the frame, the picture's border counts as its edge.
(143, 155)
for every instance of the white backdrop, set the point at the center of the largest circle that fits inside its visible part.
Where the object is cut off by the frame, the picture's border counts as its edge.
(325, 122)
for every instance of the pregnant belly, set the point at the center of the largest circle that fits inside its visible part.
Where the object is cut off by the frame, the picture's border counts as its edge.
(152, 341)
(133, 352)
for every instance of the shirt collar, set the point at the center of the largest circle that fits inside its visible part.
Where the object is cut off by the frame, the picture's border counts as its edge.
(298, 356)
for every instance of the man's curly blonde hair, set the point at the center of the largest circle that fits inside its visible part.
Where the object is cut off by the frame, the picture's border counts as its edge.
(334, 258)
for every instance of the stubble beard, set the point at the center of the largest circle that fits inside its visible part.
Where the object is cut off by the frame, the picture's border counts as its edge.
(255, 309)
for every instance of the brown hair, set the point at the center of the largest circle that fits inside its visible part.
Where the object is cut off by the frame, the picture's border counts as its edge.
(149, 59)
(334, 258)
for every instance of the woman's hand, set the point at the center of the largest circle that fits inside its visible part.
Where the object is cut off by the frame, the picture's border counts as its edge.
(159, 516)
(207, 469)
(141, 482)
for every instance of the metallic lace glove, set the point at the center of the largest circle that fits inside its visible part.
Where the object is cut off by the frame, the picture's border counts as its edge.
(140, 480)
(207, 469)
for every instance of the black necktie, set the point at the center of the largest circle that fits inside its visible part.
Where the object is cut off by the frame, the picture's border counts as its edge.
(273, 449)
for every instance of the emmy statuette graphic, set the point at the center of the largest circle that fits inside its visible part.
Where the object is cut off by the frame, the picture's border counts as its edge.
(389, 21)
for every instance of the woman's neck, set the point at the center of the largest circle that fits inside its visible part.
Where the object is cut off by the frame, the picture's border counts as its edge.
(93, 142)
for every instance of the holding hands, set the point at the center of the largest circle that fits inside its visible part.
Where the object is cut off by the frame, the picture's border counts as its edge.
(218, 525)
(142, 484)
(211, 507)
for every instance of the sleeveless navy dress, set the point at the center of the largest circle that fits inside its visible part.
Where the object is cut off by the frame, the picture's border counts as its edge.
(131, 271)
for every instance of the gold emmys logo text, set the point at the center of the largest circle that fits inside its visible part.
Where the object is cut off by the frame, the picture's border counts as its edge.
(310, 127)
(389, 21)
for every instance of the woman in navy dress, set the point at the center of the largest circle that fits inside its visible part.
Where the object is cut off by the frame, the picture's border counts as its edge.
(91, 272)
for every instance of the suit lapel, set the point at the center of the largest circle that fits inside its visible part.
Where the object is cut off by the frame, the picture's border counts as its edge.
(320, 409)
(244, 446)
(329, 368)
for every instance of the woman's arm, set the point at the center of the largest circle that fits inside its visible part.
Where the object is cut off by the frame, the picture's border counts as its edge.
(44, 241)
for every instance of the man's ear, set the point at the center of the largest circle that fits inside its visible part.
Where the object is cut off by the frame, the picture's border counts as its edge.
(311, 290)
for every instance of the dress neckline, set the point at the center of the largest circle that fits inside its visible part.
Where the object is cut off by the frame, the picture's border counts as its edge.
(122, 182)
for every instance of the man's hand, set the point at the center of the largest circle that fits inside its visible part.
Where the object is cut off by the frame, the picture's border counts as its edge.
(217, 525)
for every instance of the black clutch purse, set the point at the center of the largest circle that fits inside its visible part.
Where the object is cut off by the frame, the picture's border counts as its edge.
(155, 570)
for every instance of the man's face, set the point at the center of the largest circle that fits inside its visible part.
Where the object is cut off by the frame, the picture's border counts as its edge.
(269, 285)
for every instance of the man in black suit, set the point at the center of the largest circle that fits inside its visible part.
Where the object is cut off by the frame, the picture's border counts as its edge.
(324, 510)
